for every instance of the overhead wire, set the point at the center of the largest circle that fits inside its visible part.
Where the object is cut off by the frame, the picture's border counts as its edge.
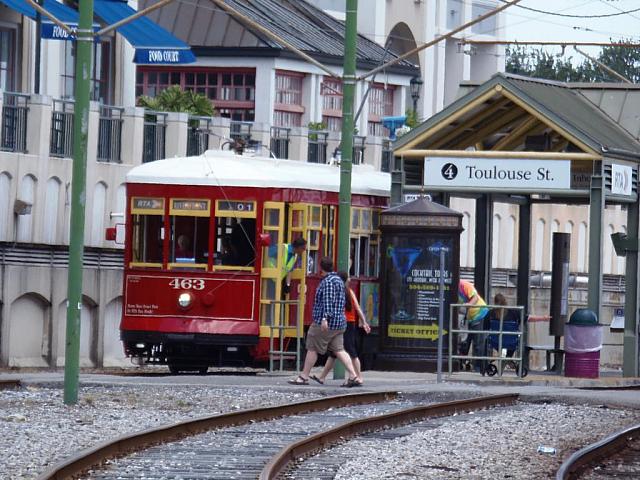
(568, 15)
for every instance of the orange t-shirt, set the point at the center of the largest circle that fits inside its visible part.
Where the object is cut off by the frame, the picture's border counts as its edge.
(351, 314)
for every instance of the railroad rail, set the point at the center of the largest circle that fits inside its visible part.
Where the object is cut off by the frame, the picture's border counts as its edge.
(9, 384)
(91, 457)
(588, 456)
(285, 458)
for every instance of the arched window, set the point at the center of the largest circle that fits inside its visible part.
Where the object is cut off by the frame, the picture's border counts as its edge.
(97, 219)
(5, 204)
(25, 222)
(464, 240)
(495, 251)
(51, 207)
(607, 251)
(538, 245)
(582, 247)
(555, 227)
(509, 236)
(620, 261)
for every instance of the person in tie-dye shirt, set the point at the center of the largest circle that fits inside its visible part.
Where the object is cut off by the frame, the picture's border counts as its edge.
(468, 294)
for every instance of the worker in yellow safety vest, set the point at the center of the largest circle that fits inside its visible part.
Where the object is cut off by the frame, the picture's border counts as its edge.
(291, 252)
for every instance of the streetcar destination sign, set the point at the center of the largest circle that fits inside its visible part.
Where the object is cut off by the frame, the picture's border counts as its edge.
(507, 174)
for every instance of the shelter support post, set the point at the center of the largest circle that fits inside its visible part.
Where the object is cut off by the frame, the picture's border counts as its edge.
(524, 266)
(630, 357)
(596, 220)
(483, 243)
(397, 180)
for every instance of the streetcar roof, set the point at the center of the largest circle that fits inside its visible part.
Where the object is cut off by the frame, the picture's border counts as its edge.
(225, 168)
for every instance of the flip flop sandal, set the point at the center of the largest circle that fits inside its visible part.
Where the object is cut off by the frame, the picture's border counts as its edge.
(316, 379)
(352, 382)
(299, 381)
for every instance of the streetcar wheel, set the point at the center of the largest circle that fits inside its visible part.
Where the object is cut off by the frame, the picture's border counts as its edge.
(203, 370)
(491, 370)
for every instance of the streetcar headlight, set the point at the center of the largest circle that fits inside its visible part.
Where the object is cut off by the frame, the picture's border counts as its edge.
(185, 299)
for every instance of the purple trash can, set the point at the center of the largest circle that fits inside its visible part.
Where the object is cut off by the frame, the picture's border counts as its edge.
(582, 345)
(582, 365)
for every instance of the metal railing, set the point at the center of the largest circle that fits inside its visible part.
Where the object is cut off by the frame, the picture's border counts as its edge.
(13, 137)
(241, 130)
(61, 144)
(317, 152)
(280, 354)
(280, 142)
(198, 134)
(154, 136)
(110, 134)
(482, 336)
(387, 156)
(358, 149)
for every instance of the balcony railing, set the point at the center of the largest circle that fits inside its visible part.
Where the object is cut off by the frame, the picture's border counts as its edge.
(154, 135)
(241, 131)
(13, 137)
(61, 144)
(198, 135)
(358, 149)
(110, 134)
(317, 146)
(387, 156)
(280, 142)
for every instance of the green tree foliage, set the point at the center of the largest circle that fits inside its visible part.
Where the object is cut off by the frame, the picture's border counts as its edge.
(536, 62)
(173, 99)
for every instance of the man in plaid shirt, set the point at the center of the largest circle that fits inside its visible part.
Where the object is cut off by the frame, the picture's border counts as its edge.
(329, 323)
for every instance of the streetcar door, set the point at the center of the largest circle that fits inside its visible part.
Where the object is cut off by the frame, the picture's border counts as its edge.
(273, 218)
(298, 227)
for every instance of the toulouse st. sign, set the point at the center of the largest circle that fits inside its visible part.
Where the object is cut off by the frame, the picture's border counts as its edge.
(510, 174)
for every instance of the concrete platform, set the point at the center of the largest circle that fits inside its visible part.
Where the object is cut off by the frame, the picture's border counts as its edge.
(611, 389)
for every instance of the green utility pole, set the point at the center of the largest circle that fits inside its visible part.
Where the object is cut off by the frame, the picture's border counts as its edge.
(84, 47)
(348, 94)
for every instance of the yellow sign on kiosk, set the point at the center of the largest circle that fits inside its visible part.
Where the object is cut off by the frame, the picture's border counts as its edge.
(429, 332)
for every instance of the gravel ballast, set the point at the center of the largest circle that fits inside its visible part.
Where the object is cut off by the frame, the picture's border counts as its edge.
(37, 430)
(502, 443)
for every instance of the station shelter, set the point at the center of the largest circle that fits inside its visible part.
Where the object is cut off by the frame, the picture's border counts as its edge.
(523, 141)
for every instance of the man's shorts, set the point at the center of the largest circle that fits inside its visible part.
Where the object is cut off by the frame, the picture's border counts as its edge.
(319, 341)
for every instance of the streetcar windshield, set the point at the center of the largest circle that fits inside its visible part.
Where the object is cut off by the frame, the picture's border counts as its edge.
(189, 240)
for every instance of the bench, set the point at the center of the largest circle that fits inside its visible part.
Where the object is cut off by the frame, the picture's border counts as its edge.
(550, 350)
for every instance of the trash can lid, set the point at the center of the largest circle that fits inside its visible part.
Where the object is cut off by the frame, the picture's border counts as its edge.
(583, 316)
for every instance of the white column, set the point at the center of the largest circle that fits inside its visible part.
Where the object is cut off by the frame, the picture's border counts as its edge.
(176, 134)
(132, 132)
(39, 125)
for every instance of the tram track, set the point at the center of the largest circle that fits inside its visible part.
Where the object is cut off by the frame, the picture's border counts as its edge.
(239, 445)
(617, 455)
(74, 466)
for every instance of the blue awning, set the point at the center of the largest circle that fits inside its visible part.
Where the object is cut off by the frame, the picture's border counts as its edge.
(153, 44)
(49, 29)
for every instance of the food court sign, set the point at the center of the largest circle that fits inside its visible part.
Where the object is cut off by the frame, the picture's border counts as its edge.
(503, 174)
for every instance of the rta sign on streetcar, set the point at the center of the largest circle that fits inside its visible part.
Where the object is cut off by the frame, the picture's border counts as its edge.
(509, 174)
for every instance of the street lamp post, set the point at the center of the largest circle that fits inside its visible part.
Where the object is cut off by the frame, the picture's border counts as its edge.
(415, 85)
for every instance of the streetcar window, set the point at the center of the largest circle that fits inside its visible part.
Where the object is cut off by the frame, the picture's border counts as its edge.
(146, 244)
(147, 214)
(235, 242)
(189, 240)
(364, 243)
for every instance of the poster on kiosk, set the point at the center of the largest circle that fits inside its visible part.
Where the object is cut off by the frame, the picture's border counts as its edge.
(413, 236)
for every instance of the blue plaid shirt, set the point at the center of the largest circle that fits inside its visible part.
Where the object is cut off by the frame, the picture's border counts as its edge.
(329, 302)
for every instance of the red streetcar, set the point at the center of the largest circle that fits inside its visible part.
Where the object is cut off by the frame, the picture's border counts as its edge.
(204, 255)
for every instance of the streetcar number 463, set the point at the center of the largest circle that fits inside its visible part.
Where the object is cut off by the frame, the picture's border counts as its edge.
(187, 284)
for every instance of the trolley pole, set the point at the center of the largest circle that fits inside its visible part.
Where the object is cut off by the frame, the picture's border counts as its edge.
(84, 43)
(348, 94)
